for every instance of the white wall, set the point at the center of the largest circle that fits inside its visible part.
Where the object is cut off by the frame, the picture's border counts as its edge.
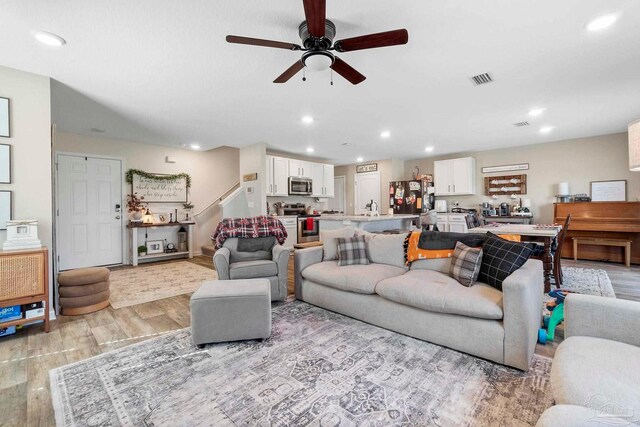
(253, 159)
(212, 172)
(576, 161)
(30, 141)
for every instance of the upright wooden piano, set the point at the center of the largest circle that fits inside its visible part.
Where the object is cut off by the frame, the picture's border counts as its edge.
(612, 220)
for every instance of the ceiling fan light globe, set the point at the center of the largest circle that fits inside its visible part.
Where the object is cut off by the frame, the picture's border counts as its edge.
(318, 61)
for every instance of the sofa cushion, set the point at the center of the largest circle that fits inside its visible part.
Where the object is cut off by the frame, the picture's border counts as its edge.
(434, 291)
(465, 264)
(500, 258)
(237, 256)
(353, 278)
(252, 269)
(597, 373)
(437, 264)
(329, 239)
(386, 248)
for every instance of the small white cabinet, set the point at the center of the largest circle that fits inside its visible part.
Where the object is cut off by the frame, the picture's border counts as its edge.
(300, 168)
(322, 176)
(452, 223)
(290, 223)
(277, 176)
(328, 181)
(455, 177)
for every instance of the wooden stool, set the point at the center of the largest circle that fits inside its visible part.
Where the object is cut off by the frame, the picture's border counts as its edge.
(626, 244)
(83, 290)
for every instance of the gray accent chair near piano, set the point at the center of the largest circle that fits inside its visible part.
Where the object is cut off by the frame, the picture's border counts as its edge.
(252, 259)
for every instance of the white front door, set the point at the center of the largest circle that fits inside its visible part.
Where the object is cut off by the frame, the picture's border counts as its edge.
(338, 201)
(367, 188)
(89, 211)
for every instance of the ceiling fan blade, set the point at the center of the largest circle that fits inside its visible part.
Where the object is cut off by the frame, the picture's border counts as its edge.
(291, 71)
(263, 43)
(347, 71)
(370, 41)
(316, 13)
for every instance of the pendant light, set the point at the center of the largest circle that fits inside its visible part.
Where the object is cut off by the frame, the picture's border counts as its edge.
(634, 146)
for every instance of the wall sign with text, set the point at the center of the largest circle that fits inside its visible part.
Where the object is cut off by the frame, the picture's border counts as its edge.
(159, 190)
(506, 168)
(369, 167)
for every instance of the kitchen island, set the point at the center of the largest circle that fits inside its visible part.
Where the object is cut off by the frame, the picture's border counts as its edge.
(368, 223)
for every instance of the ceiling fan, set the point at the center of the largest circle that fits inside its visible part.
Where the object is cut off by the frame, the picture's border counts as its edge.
(317, 35)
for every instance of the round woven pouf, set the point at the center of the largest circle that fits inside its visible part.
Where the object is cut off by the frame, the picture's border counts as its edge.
(83, 290)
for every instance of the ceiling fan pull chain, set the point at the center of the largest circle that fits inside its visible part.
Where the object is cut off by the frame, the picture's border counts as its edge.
(304, 74)
(331, 76)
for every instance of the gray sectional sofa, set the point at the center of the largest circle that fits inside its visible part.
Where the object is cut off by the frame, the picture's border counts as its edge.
(425, 303)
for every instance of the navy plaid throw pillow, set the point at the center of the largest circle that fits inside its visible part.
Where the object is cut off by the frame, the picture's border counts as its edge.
(352, 251)
(500, 258)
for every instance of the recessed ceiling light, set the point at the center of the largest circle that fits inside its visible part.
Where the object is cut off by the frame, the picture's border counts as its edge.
(195, 146)
(546, 129)
(49, 39)
(359, 160)
(429, 149)
(536, 111)
(310, 150)
(602, 22)
(307, 120)
(385, 134)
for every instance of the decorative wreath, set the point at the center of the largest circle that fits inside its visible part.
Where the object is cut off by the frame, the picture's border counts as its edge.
(131, 172)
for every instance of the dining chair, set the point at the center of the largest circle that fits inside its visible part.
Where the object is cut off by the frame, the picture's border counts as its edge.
(557, 256)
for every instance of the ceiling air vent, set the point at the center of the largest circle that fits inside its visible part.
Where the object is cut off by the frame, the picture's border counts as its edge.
(481, 79)
(521, 124)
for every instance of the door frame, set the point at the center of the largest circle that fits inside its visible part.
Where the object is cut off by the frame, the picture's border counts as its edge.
(344, 190)
(123, 192)
(355, 191)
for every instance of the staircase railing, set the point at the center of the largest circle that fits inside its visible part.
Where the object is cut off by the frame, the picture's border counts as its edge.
(219, 199)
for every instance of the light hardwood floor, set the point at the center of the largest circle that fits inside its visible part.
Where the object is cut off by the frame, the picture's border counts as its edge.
(27, 356)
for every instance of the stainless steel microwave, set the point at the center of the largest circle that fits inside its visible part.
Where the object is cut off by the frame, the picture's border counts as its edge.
(300, 186)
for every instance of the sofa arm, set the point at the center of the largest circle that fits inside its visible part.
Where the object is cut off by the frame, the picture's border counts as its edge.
(304, 258)
(221, 263)
(281, 257)
(600, 317)
(522, 307)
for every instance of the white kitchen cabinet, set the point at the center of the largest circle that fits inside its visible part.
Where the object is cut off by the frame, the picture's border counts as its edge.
(322, 176)
(453, 223)
(455, 177)
(300, 168)
(329, 190)
(277, 176)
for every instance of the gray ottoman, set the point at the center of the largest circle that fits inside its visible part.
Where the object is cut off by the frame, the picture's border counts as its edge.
(231, 310)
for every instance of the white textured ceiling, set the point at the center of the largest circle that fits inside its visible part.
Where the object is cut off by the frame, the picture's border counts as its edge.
(160, 71)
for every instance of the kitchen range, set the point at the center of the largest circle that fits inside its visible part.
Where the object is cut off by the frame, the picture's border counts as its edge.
(308, 223)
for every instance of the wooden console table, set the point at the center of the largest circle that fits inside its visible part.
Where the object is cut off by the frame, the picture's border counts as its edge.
(24, 279)
(133, 234)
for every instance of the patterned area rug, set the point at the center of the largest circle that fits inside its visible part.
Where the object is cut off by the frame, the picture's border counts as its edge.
(588, 281)
(318, 368)
(153, 282)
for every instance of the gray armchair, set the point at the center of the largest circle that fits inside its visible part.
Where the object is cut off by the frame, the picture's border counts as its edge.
(273, 265)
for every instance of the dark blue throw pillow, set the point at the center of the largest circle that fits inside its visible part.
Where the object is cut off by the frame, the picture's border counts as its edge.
(500, 258)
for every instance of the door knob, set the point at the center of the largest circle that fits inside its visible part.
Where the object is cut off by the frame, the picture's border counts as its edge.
(117, 216)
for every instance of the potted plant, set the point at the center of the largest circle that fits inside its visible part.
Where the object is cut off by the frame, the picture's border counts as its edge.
(279, 206)
(135, 205)
(142, 250)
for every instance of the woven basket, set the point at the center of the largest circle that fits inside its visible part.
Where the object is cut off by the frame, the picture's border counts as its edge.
(21, 275)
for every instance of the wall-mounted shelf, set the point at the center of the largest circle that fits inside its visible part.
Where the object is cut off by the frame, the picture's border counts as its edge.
(505, 185)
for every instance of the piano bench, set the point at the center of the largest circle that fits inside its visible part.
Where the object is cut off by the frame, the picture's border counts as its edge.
(626, 244)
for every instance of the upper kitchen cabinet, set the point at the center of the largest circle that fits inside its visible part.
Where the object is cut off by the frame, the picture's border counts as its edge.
(322, 176)
(455, 177)
(277, 176)
(300, 168)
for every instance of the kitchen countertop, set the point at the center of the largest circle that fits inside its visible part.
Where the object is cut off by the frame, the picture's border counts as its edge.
(363, 218)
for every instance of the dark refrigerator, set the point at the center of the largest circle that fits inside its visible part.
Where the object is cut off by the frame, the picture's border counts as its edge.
(411, 197)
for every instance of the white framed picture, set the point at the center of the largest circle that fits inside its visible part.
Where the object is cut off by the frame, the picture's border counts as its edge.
(4, 118)
(5, 208)
(155, 246)
(609, 191)
(5, 164)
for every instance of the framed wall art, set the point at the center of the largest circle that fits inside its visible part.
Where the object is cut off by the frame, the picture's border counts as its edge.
(609, 191)
(5, 208)
(159, 188)
(155, 247)
(5, 118)
(5, 164)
